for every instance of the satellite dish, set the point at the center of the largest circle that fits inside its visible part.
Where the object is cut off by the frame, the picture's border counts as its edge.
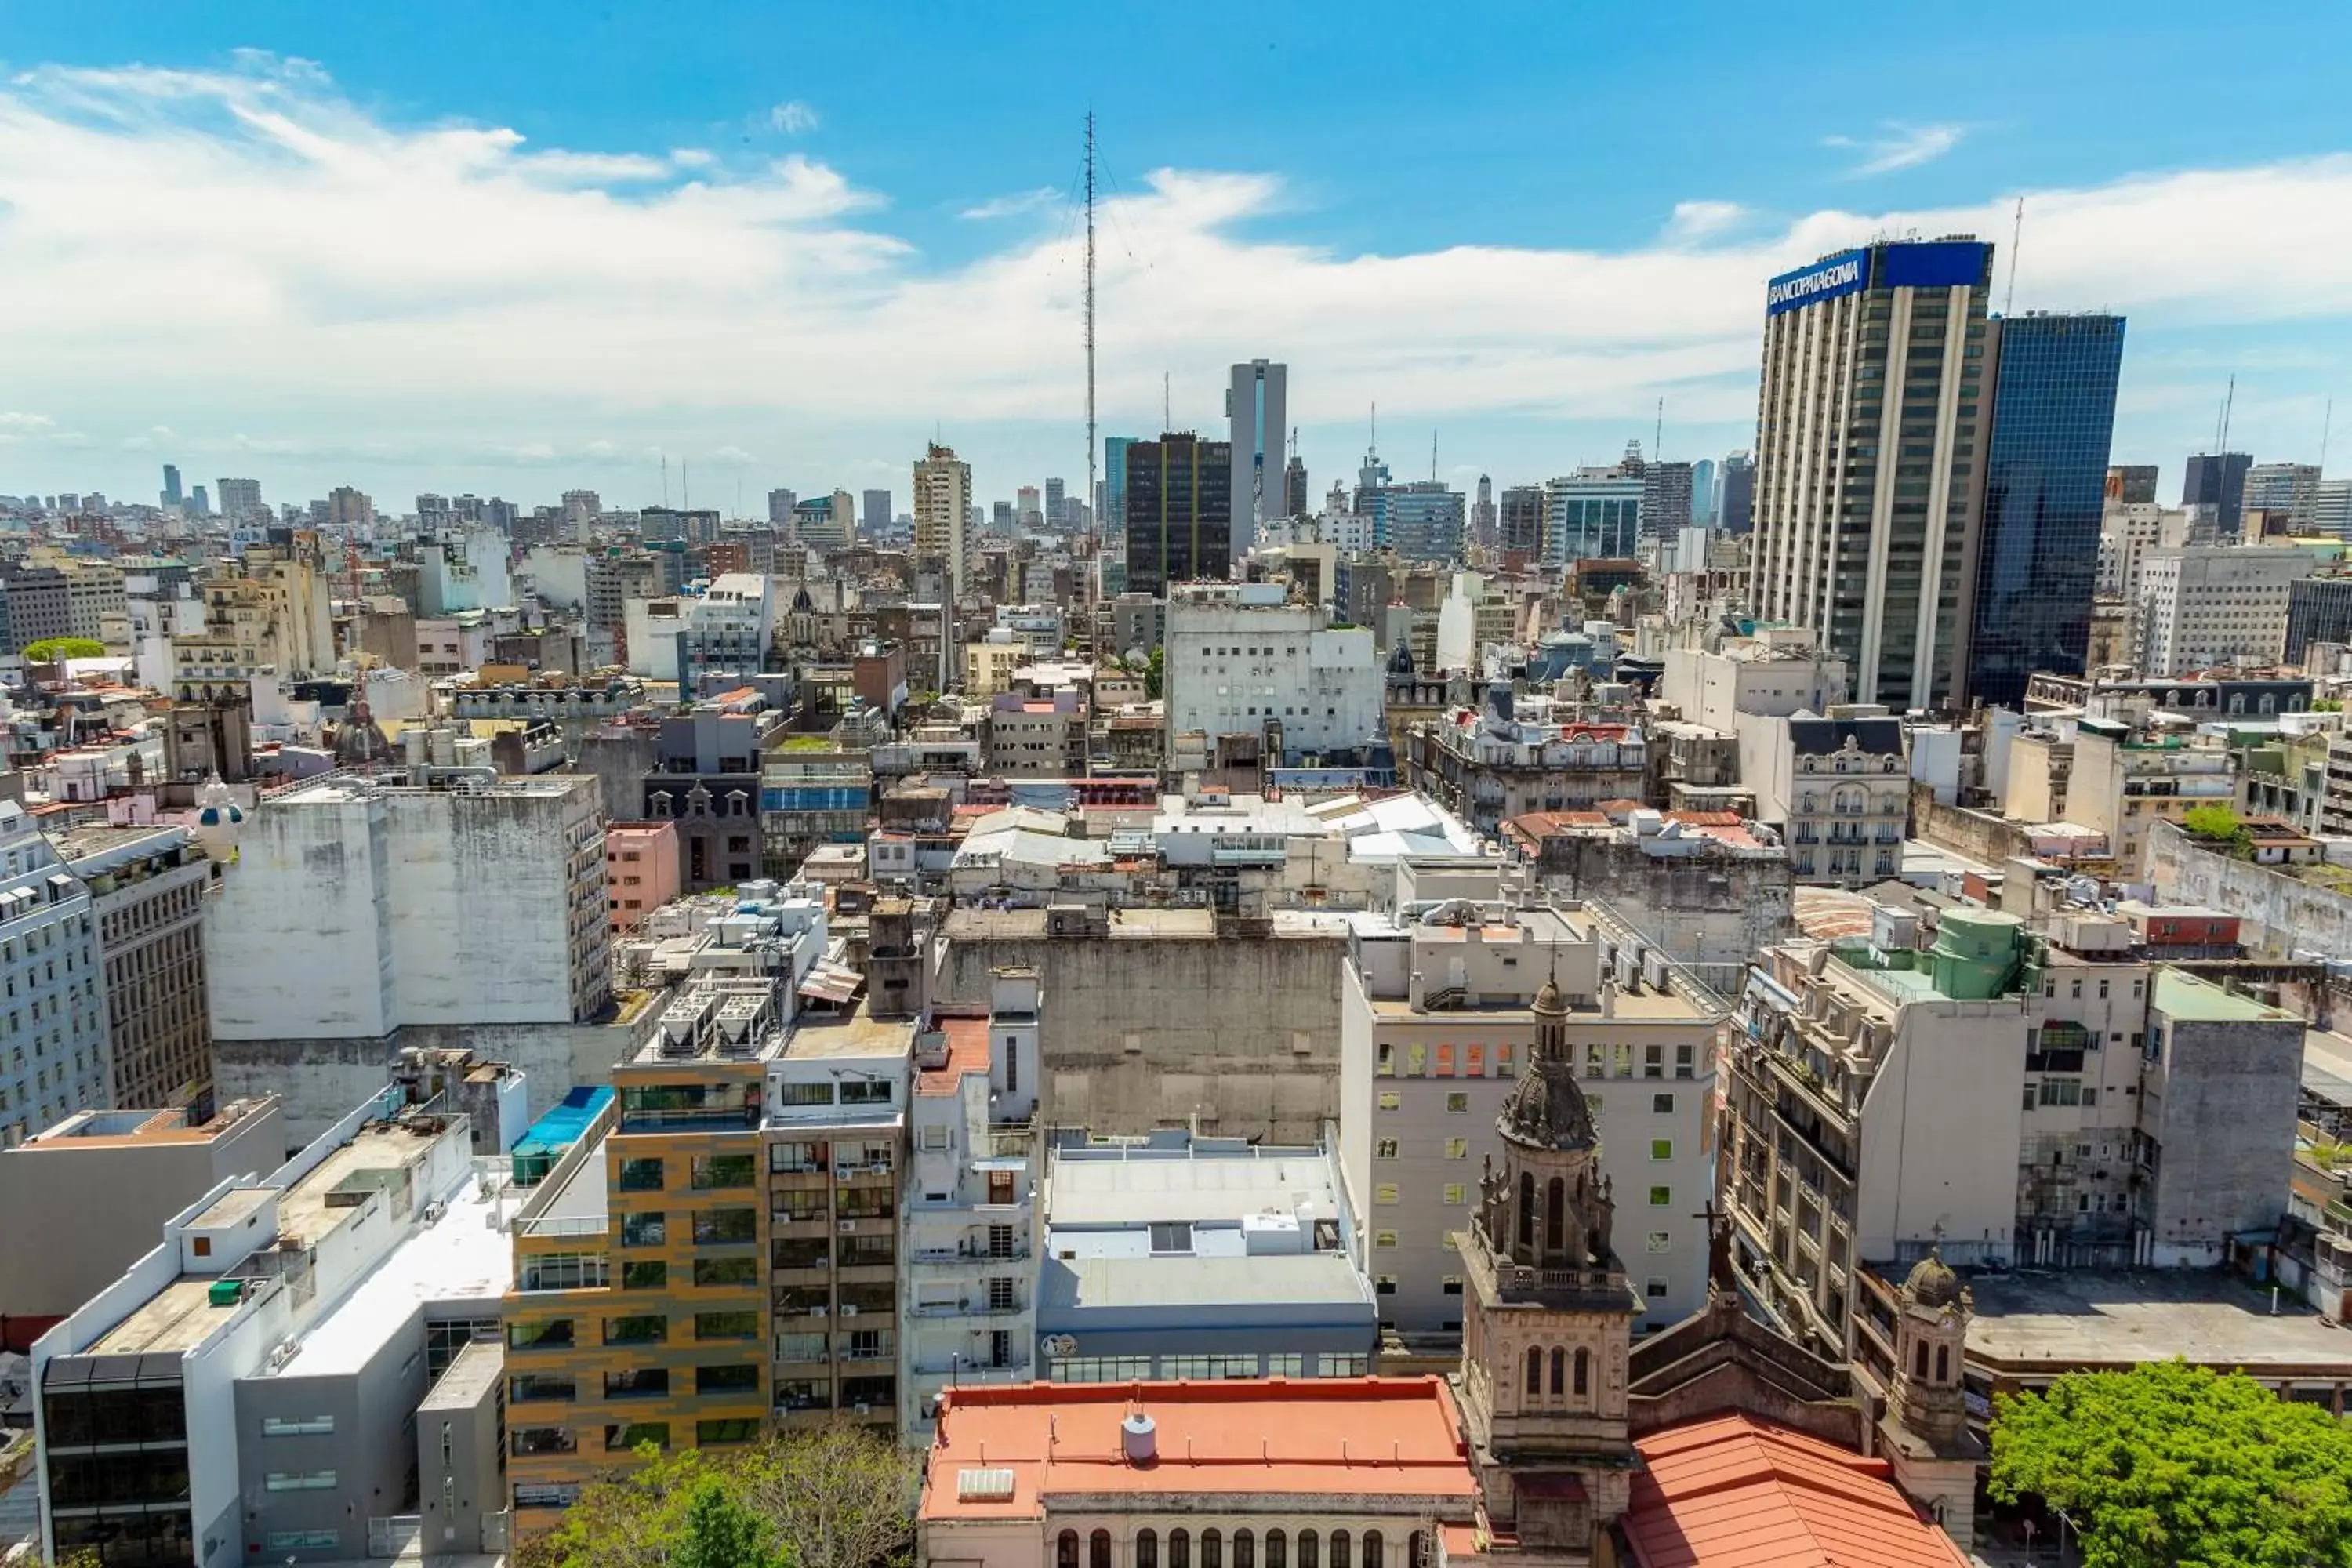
(1061, 1344)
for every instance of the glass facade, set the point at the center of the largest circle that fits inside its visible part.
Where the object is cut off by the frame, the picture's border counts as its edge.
(2053, 417)
(1591, 519)
(1180, 512)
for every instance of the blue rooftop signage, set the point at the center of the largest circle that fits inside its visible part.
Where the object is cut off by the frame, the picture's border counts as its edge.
(1937, 264)
(1826, 280)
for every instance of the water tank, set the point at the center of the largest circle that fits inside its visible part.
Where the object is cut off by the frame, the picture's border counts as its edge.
(1139, 1436)
(1975, 954)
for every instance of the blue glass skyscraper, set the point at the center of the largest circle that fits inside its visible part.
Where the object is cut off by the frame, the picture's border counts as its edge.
(2054, 419)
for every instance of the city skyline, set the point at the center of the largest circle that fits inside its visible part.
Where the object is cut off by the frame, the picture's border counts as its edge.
(541, 297)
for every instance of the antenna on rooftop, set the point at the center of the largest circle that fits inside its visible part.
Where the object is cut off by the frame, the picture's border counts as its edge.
(2016, 242)
(1433, 457)
(1658, 436)
(1167, 416)
(1093, 488)
(2228, 398)
(2327, 426)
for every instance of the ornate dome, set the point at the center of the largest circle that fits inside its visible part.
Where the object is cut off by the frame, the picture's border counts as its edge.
(1400, 659)
(1932, 1282)
(1549, 1000)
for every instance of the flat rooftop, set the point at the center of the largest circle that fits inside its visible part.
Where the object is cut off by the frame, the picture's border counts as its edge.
(472, 1373)
(818, 1036)
(2030, 1323)
(303, 1211)
(583, 1196)
(1133, 1186)
(464, 1256)
(179, 1317)
(1131, 925)
(133, 1128)
(1247, 1288)
(2185, 996)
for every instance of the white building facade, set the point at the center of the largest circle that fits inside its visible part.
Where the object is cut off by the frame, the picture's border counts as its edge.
(1240, 660)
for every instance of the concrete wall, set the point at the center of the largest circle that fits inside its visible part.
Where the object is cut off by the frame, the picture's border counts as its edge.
(1978, 835)
(2283, 915)
(1703, 908)
(460, 1431)
(1143, 1032)
(369, 1449)
(1939, 1134)
(2242, 1075)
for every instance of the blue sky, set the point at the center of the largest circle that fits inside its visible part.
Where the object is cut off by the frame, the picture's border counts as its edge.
(515, 247)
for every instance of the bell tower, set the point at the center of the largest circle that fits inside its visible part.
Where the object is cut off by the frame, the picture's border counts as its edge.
(1924, 1433)
(1548, 1316)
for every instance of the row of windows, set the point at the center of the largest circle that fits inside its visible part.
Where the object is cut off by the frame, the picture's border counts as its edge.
(1145, 1551)
(1459, 1149)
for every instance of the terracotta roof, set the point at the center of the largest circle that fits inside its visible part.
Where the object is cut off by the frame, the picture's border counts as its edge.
(1318, 1437)
(1743, 1493)
(967, 1053)
(1705, 818)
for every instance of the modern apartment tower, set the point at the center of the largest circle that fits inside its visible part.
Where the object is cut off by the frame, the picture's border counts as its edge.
(1734, 495)
(1257, 410)
(944, 529)
(2217, 482)
(876, 507)
(1870, 428)
(1180, 511)
(2054, 419)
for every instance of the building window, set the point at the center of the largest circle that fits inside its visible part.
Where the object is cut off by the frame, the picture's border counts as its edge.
(1388, 1101)
(1662, 1241)
(1386, 1192)
(1212, 1550)
(1451, 1285)
(1457, 1148)
(1179, 1549)
(1457, 1193)
(1340, 1557)
(1382, 1285)
(296, 1425)
(1147, 1549)
(1373, 1549)
(1098, 1549)
(1384, 1239)
(1654, 1288)
(1385, 1149)
(299, 1480)
(1171, 1238)
(1583, 1373)
(1277, 1550)
(1244, 1549)
(1661, 1148)
(1458, 1102)
(1558, 1388)
(1662, 1197)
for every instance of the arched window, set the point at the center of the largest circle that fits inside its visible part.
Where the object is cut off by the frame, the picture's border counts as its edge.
(1179, 1549)
(1098, 1549)
(1417, 1549)
(1372, 1549)
(1559, 1371)
(1307, 1553)
(1919, 1360)
(1943, 1362)
(1339, 1558)
(1583, 1373)
(1526, 1208)
(1147, 1549)
(1277, 1554)
(1554, 1215)
(1535, 1369)
(1212, 1550)
(1244, 1549)
(1065, 1549)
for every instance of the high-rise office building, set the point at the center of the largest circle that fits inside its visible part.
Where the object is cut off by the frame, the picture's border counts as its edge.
(2290, 490)
(1593, 514)
(1665, 499)
(2133, 484)
(1869, 431)
(240, 500)
(1519, 521)
(200, 503)
(1256, 408)
(1703, 492)
(1180, 511)
(780, 502)
(1056, 503)
(2216, 481)
(2046, 471)
(1482, 515)
(876, 507)
(1735, 509)
(1028, 506)
(171, 494)
(1114, 483)
(2331, 508)
(943, 533)
(1421, 520)
(1294, 488)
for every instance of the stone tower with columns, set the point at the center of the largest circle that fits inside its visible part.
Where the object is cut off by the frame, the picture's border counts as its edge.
(1924, 1432)
(1549, 1318)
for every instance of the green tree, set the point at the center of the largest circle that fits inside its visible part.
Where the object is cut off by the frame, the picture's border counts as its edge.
(2212, 820)
(2172, 1465)
(1155, 674)
(49, 651)
(842, 1496)
(719, 1532)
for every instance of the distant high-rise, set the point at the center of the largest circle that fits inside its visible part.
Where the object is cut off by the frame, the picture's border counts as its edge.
(1180, 511)
(1519, 521)
(1029, 505)
(2216, 481)
(1294, 488)
(876, 507)
(583, 510)
(2132, 484)
(1000, 517)
(199, 503)
(2289, 489)
(1370, 476)
(1665, 499)
(1056, 503)
(1482, 515)
(170, 484)
(240, 501)
(1703, 492)
(1735, 494)
(780, 502)
(1114, 482)
(1870, 433)
(1257, 409)
(2331, 508)
(1421, 520)
(2054, 419)
(942, 509)
(1592, 515)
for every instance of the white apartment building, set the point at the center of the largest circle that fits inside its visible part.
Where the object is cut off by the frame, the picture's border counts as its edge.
(727, 628)
(2209, 607)
(1836, 787)
(2128, 530)
(1438, 1010)
(944, 535)
(55, 1059)
(968, 1311)
(1240, 661)
(1777, 673)
(361, 905)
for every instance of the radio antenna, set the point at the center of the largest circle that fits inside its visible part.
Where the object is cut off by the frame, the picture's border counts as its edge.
(2016, 244)
(1094, 493)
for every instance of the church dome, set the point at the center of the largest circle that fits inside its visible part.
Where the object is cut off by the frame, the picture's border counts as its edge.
(1548, 1000)
(1400, 659)
(1932, 1282)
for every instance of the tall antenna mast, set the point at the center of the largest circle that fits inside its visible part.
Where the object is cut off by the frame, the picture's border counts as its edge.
(1658, 436)
(2327, 426)
(1094, 493)
(2228, 398)
(2016, 244)
(1433, 457)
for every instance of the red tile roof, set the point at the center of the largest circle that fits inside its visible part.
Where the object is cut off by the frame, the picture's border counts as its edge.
(967, 1053)
(1743, 1493)
(1399, 1437)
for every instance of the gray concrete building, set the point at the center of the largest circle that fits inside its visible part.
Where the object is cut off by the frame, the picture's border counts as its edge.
(147, 888)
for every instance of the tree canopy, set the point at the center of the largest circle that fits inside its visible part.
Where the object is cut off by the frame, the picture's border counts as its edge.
(834, 1497)
(49, 651)
(2213, 819)
(2172, 1465)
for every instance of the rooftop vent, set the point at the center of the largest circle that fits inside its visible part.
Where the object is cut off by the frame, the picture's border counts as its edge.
(992, 1485)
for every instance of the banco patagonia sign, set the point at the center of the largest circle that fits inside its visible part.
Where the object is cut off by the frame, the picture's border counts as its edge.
(1841, 274)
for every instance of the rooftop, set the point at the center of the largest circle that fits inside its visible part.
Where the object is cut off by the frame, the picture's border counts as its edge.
(967, 1053)
(2182, 995)
(2030, 1323)
(1389, 1437)
(130, 1128)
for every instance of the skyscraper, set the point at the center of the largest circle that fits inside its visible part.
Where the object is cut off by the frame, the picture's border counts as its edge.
(1056, 503)
(781, 504)
(2133, 484)
(240, 500)
(1114, 483)
(170, 484)
(1256, 408)
(2292, 488)
(942, 507)
(1421, 520)
(1869, 429)
(1735, 510)
(1482, 515)
(1029, 512)
(2053, 419)
(1519, 521)
(2216, 481)
(1665, 499)
(1593, 514)
(1294, 488)
(200, 504)
(1703, 492)
(877, 511)
(1180, 511)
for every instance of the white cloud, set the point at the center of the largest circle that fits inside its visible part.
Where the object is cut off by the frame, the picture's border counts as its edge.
(419, 299)
(1011, 205)
(1898, 146)
(794, 119)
